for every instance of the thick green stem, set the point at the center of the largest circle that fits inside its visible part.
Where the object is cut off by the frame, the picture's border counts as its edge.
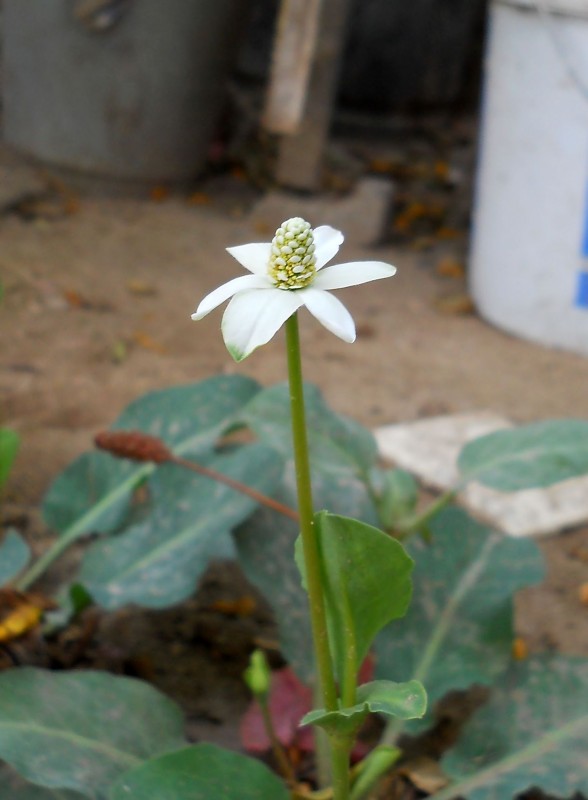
(340, 752)
(312, 561)
(318, 617)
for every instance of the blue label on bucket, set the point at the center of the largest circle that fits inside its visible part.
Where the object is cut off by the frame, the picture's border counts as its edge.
(582, 289)
(582, 285)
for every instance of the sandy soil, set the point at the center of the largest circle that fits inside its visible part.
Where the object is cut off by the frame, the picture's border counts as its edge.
(96, 311)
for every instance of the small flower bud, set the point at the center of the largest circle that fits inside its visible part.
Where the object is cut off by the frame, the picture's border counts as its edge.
(257, 676)
(135, 445)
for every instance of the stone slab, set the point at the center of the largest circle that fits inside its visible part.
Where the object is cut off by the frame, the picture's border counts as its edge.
(429, 449)
(361, 215)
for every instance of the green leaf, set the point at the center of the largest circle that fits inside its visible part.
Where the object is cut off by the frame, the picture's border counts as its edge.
(81, 730)
(265, 546)
(366, 583)
(9, 444)
(403, 700)
(459, 628)
(94, 492)
(158, 561)
(396, 495)
(14, 555)
(533, 732)
(200, 772)
(337, 444)
(16, 788)
(530, 456)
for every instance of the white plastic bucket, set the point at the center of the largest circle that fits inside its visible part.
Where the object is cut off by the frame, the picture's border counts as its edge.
(529, 265)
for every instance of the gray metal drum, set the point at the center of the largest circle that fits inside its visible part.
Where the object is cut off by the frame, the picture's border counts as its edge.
(124, 89)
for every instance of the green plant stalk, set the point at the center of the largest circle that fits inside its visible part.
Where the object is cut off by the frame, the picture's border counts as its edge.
(414, 523)
(312, 560)
(310, 549)
(340, 752)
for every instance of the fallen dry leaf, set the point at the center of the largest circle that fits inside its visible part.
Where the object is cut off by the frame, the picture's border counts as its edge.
(450, 267)
(198, 199)
(240, 607)
(147, 342)
(20, 613)
(583, 594)
(458, 304)
(139, 287)
(520, 649)
(425, 774)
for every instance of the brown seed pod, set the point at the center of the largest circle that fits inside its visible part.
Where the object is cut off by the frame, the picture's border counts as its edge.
(135, 445)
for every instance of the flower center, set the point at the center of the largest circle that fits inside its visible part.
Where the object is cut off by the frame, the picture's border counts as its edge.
(292, 263)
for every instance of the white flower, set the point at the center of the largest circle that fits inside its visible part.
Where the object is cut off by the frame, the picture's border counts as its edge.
(287, 274)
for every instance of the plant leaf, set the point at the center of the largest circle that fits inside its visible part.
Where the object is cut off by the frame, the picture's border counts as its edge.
(530, 456)
(80, 730)
(14, 555)
(366, 583)
(9, 444)
(337, 444)
(403, 700)
(265, 546)
(200, 772)
(158, 561)
(459, 629)
(93, 493)
(19, 789)
(532, 732)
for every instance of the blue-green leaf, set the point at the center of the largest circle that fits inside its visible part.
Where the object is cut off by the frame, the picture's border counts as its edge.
(14, 555)
(158, 561)
(93, 493)
(530, 456)
(337, 444)
(533, 732)
(13, 787)
(459, 628)
(81, 730)
(200, 772)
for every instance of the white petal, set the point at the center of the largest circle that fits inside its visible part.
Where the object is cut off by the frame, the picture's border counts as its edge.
(254, 257)
(218, 296)
(327, 241)
(252, 318)
(352, 274)
(331, 313)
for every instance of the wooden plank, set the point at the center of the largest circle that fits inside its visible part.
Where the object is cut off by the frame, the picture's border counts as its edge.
(301, 154)
(292, 58)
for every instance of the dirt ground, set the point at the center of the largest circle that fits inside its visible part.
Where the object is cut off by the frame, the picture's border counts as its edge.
(97, 300)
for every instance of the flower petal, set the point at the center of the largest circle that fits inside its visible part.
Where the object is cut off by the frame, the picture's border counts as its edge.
(218, 296)
(330, 312)
(352, 274)
(254, 257)
(327, 241)
(252, 318)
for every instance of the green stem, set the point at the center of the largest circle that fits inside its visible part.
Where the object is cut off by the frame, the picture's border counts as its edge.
(340, 752)
(340, 748)
(318, 617)
(415, 523)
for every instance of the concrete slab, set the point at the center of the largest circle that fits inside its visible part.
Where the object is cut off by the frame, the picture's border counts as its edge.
(429, 449)
(362, 215)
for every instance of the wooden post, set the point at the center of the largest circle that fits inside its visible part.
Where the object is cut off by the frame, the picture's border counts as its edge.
(306, 87)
